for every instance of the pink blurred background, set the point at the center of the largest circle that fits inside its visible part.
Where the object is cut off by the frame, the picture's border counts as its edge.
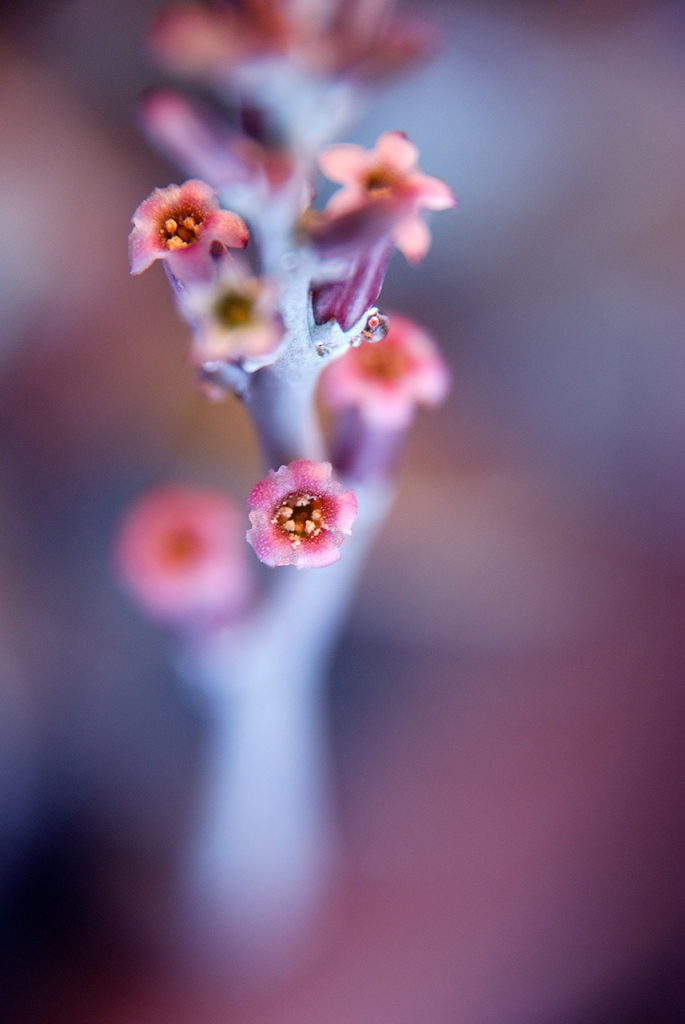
(507, 704)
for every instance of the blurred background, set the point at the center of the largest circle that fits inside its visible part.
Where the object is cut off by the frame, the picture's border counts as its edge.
(507, 703)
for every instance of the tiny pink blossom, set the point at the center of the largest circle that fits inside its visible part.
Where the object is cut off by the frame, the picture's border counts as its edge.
(386, 380)
(180, 555)
(300, 516)
(234, 317)
(178, 224)
(389, 172)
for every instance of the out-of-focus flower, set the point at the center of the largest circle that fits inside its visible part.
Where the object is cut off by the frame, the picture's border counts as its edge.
(196, 39)
(388, 172)
(234, 317)
(203, 145)
(385, 380)
(180, 554)
(179, 224)
(300, 516)
(379, 208)
(356, 38)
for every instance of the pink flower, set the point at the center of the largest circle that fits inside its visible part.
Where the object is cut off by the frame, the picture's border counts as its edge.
(389, 172)
(299, 516)
(386, 380)
(178, 224)
(179, 553)
(234, 317)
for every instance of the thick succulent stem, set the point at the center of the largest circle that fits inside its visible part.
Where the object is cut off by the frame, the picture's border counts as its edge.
(265, 848)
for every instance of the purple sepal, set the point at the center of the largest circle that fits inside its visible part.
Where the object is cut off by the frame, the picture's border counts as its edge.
(360, 452)
(348, 298)
(361, 244)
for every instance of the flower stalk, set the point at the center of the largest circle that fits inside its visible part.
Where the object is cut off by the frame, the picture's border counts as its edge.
(264, 847)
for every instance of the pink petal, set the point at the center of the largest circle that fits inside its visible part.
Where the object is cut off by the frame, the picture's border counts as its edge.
(395, 150)
(274, 549)
(302, 475)
(412, 238)
(433, 193)
(432, 383)
(228, 227)
(200, 195)
(270, 545)
(392, 411)
(152, 209)
(212, 342)
(307, 475)
(343, 163)
(318, 556)
(143, 249)
(346, 511)
(345, 200)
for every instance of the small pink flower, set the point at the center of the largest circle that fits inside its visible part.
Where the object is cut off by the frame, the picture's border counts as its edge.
(299, 516)
(178, 224)
(389, 172)
(234, 317)
(179, 553)
(386, 380)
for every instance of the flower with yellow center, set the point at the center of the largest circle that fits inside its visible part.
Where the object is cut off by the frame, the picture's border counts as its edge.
(300, 516)
(235, 317)
(388, 172)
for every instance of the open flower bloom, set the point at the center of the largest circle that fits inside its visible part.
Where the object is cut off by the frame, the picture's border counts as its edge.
(235, 317)
(385, 380)
(180, 554)
(178, 224)
(300, 516)
(387, 173)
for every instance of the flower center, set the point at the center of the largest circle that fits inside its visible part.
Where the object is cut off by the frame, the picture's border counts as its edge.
(300, 516)
(181, 229)
(379, 182)
(181, 548)
(234, 310)
(384, 362)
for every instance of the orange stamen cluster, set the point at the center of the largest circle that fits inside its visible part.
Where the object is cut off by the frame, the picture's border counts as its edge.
(300, 516)
(181, 229)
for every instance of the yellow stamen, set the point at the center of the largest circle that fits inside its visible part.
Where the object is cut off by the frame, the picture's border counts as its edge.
(380, 181)
(182, 229)
(234, 309)
(300, 516)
